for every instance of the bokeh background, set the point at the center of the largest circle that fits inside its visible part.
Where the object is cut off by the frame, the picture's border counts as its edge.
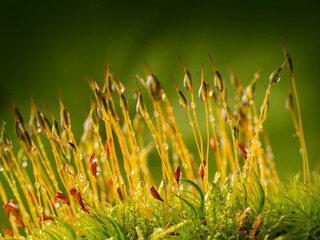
(46, 46)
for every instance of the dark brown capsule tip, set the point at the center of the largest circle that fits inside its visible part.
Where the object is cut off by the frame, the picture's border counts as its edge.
(120, 193)
(7, 231)
(71, 146)
(286, 55)
(177, 174)
(140, 108)
(275, 76)
(62, 197)
(123, 102)
(187, 82)
(155, 194)
(45, 218)
(243, 150)
(18, 115)
(202, 93)
(236, 132)
(201, 169)
(94, 169)
(213, 143)
(18, 221)
(218, 81)
(154, 87)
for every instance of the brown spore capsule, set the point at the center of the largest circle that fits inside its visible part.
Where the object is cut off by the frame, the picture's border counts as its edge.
(177, 174)
(120, 193)
(94, 169)
(213, 143)
(62, 197)
(202, 169)
(203, 92)
(243, 150)
(155, 194)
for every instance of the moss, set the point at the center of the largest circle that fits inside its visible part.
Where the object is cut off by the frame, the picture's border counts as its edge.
(101, 187)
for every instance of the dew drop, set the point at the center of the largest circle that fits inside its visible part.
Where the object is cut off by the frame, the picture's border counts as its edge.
(80, 177)
(1, 169)
(24, 164)
(137, 149)
(37, 184)
(43, 189)
(156, 114)
(222, 142)
(69, 170)
(165, 146)
(258, 143)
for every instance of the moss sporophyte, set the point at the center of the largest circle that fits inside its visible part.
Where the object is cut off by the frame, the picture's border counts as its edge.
(101, 187)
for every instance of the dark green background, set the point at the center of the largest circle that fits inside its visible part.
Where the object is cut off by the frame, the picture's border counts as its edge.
(47, 46)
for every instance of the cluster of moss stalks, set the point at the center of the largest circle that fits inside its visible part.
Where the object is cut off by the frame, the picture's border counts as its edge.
(101, 188)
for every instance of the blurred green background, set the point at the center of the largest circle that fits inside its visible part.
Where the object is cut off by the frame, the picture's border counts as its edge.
(46, 46)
